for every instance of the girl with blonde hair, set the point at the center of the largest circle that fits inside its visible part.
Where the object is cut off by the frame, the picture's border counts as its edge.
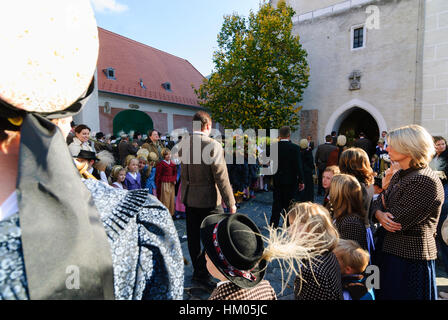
(348, 212)
(117, 176)
(327, 176)
(408, 211)
(320, 280)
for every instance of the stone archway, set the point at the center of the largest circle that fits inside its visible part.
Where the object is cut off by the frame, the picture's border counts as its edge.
(357, 115)
(132, 120)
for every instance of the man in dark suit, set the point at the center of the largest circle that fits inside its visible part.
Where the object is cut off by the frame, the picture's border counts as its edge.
(288, 179)
(125, 148)
(310, 142)
(364, 144)
(334, 137)
(322, 153)
(204, 186)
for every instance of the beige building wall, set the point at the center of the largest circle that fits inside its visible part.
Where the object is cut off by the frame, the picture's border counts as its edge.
(387, 64)
(168, 110)
(404, 64)
(435, 68)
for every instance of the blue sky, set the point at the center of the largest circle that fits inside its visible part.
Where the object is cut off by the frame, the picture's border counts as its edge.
(184, 28)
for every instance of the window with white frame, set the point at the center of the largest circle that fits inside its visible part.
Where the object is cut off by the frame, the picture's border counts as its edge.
(358, 37)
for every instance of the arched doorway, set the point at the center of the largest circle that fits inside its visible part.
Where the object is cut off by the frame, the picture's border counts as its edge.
(358, 120)
(357, 112)
(131, 121)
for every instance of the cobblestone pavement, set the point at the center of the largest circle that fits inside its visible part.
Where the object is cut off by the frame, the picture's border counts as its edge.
(259, 209)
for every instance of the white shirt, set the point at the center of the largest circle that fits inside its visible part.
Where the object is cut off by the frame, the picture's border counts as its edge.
(199, 132)
(104, 177)
(222, 282)
(9, 207)
(118, 184)
(133, 175)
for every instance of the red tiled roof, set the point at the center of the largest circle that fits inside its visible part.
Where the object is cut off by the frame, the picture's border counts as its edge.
(133, 61)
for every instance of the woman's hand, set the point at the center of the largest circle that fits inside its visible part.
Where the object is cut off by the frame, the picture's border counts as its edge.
(385, 218)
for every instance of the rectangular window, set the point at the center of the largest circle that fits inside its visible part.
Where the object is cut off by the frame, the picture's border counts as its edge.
(358, 37)
(110, 73)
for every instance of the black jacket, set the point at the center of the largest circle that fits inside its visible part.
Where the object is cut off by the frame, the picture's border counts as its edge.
(290, 167)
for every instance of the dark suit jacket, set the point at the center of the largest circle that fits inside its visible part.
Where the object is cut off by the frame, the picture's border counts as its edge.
(364, 144)
(322, 153)
(124, 149)
(290, 167)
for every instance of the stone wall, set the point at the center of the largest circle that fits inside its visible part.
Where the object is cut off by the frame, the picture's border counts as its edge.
(387, 64)
(434, 111)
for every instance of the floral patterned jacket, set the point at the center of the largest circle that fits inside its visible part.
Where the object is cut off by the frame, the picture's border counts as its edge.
(146, 253)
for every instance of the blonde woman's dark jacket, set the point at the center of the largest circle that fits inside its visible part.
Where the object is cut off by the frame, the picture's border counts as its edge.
(414, 197)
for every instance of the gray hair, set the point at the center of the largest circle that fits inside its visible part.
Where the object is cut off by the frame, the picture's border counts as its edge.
(415, 142)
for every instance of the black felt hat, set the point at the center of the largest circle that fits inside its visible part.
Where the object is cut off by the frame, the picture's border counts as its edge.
(88, 155)
(234, 244)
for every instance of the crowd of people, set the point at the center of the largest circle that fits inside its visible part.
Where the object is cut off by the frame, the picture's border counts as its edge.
(85, 218)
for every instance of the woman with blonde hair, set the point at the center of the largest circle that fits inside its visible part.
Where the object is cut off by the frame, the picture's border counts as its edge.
(408, 211)
(335, 155)
(320, 280)
(347, 210)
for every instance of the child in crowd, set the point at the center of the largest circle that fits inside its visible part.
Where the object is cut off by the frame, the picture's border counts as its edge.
(151, 172)
(117, 176)
(236, 255)
(348, 211)
(142, 157)
(320, 280)
(166, 174)
(133, 177)
(327, 175)
(353, 261)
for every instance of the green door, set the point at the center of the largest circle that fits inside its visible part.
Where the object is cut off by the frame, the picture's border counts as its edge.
(128, 121)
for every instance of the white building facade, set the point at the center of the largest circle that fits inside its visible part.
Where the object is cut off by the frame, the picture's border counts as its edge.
(375, 65)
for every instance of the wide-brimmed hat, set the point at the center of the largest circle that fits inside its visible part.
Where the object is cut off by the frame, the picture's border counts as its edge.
(233, 243)
(49, 55)
(87, 155)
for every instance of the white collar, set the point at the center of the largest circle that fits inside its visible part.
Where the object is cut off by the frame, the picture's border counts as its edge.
(9, 207)
(199, 132)
(222, 282)
(167, 162)
(118, 184)
(284, 139)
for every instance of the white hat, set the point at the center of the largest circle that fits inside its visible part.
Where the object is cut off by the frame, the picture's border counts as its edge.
(49, 53)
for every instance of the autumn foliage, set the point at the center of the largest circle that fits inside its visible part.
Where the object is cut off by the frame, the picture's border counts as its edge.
(260, 71)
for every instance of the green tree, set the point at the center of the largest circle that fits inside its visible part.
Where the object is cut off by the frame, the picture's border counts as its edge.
(260, 71)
